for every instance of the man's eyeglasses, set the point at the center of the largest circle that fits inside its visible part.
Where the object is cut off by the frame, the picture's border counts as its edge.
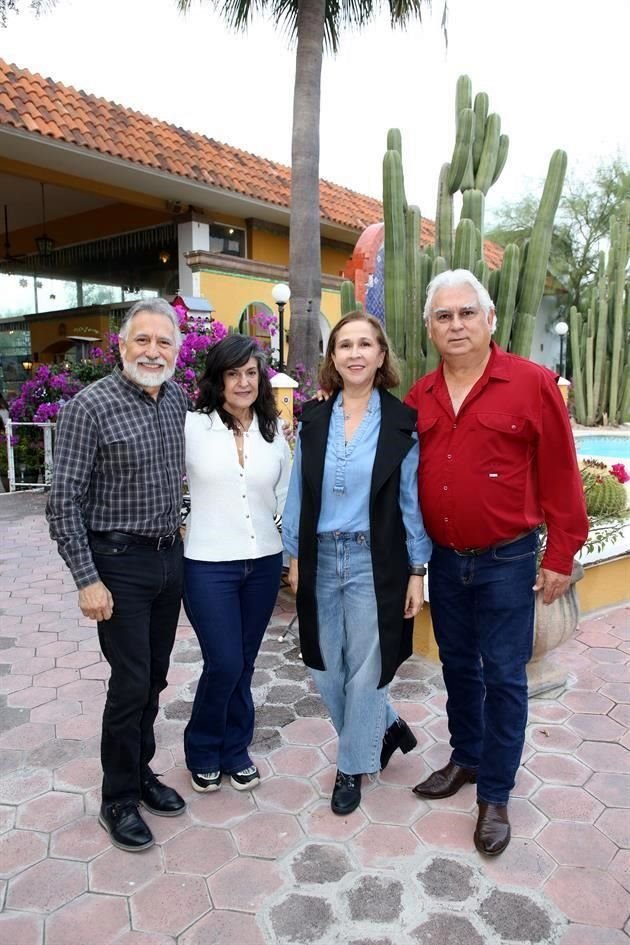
(443, 317)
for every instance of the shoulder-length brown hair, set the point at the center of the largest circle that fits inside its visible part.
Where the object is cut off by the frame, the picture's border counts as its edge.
(387, 376)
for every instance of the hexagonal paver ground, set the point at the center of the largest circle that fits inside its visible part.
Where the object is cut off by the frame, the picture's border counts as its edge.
(275, 866)
(169, 904)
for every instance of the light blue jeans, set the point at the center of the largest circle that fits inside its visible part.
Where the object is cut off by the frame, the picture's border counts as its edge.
(349, 643)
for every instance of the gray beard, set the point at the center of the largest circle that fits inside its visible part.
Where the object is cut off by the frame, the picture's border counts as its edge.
(145, 378)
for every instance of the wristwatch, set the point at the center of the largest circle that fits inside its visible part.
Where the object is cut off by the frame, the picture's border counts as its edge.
(418, 570)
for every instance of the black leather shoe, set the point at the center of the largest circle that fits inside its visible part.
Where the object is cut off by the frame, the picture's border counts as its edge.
(160, 799)
(492, 833)
(346, 795)
(398, 735)
(445, 782)
(125, 826)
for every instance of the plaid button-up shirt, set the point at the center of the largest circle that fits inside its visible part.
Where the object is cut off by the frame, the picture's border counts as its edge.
(118, 466)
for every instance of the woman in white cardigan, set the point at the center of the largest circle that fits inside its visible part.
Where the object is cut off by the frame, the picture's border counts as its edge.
(237, 464)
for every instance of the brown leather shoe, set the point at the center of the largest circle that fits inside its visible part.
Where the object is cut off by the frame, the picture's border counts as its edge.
(492, 833)
(445, 782)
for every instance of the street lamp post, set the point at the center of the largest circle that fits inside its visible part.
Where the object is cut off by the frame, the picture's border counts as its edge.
(281, 293)
(561, 329)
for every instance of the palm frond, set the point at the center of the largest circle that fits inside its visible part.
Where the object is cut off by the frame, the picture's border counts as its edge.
(340, 14)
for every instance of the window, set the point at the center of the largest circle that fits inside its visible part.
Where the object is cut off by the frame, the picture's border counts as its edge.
(228, 240)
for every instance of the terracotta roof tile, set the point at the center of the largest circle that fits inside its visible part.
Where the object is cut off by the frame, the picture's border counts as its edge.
(38, 105)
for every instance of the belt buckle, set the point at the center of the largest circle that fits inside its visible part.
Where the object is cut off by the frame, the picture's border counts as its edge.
(165, 541)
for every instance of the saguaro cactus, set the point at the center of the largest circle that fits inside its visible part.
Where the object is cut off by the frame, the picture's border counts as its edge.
(478, 157)
(600, 340)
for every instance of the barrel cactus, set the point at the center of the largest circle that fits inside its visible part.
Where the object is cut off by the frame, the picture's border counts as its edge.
(604, 493)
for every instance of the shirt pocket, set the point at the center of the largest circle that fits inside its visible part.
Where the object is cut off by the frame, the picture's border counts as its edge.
(505, 441)
(118, 456)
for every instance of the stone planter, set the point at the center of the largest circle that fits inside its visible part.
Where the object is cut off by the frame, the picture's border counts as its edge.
(553, 625)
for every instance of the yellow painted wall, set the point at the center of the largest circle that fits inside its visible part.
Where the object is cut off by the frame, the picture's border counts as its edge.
(274, 248)
(605, 585)
(230, 294)
(334, 261)
(268, 247)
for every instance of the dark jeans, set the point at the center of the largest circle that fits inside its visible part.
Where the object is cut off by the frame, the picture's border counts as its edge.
(136, 642)
(229, 604)
(483, 616)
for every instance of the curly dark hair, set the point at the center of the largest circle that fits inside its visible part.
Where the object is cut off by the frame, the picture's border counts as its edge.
(233, 352)
(387, 376)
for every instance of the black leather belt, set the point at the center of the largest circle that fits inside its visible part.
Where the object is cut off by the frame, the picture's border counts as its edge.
(160, 544)
(474, 552)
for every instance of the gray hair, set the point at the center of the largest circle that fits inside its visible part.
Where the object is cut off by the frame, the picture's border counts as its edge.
(452, 278)
(152, 307)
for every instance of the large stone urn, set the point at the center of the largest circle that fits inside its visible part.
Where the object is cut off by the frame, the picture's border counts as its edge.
(553, 625)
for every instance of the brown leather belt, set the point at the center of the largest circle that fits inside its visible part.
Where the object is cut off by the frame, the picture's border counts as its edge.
(474, 552)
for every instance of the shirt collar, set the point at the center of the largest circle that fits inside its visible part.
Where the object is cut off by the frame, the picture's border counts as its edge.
(253, 427)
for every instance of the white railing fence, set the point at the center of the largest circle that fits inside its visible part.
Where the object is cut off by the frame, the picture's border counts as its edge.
(19, 470)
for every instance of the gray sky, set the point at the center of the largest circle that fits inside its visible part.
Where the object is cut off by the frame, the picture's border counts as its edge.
(555, 70)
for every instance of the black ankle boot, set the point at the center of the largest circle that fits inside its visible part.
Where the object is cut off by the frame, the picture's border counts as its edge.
(346, 795)
(398, 735)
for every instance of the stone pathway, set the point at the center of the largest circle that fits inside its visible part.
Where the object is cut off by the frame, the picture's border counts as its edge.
(276, 867)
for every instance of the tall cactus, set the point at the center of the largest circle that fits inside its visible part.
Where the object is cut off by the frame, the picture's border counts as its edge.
(444, 216)
(619, 350)
(600, 340)
(506, 295)
(348, 297)
(394, 247)
(535, 271)
(478, 157)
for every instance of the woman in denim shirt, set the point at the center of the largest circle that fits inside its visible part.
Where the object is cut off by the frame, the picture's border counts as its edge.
(357, 545)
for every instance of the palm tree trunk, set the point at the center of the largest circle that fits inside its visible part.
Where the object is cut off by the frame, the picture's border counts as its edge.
(305, 249)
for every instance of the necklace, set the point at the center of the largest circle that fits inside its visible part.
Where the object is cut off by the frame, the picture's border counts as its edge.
(239, 439)
(348, 414)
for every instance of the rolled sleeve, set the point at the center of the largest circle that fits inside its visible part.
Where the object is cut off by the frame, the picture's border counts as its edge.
(418, 542)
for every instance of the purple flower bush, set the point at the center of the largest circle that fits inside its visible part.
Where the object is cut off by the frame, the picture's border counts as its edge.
(51, 385)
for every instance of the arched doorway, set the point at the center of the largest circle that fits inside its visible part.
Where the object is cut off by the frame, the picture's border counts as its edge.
(258, 320)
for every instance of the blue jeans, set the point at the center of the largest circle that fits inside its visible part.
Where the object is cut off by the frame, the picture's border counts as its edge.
(349, 643)
(229, 604)
(483, 617)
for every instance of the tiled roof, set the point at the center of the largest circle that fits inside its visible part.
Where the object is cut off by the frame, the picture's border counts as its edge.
(34, 104)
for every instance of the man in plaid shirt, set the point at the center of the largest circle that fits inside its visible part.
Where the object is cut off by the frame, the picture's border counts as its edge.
(114, 511)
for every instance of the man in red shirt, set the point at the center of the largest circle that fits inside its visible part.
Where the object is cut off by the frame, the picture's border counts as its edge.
(497, 461)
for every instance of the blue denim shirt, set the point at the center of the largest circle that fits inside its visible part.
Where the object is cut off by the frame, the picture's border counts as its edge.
(346, 485)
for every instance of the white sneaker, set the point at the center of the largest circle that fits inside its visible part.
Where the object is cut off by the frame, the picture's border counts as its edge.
(204, 783)
(246, 779)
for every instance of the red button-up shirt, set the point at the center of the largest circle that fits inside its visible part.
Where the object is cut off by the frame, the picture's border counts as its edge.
(504, 464)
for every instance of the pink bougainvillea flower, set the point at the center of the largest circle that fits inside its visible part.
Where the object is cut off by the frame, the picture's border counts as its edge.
(620, 472)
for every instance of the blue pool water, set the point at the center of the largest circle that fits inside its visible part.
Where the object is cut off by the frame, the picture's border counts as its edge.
(616, 447)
